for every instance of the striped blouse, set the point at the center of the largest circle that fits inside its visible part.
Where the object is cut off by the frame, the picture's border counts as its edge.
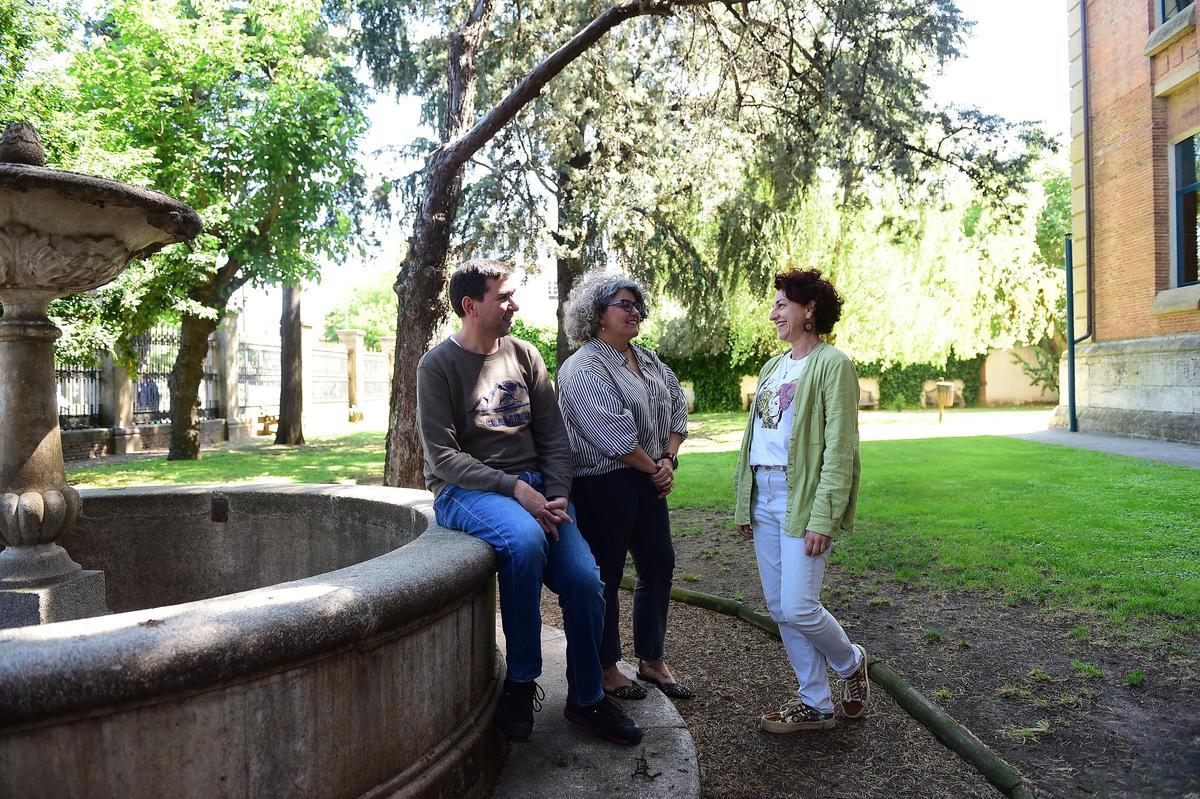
(609, 409)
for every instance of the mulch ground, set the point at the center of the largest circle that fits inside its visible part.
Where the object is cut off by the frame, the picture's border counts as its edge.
(737, 673)
(1048, 691)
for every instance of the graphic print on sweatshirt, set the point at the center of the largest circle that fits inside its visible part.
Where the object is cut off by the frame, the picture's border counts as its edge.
(506, 405)
(773, 402)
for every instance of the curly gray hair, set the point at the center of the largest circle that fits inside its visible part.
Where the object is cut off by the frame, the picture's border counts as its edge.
(589, 298)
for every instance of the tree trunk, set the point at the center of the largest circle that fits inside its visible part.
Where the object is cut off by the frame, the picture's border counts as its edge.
(422, 274)
(291, 383)
(184, 383)
(569, 265)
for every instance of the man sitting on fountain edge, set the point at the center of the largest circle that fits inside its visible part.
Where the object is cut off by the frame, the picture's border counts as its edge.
(498, 460)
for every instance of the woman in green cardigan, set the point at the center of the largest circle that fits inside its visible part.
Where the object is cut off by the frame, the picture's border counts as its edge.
(796, 485)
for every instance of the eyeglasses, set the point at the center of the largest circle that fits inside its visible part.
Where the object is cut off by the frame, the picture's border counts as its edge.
(628, 306)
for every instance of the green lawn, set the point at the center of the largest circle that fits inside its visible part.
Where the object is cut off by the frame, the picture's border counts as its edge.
(329, 460)
(1024, 520)
(1015, 519)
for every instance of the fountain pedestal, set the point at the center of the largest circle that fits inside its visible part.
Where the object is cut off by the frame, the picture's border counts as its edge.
(39, 583)
(60, 233)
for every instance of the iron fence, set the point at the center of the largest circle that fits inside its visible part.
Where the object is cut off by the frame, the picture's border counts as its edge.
(377, 378)
(78, 397)
(330, 374)
(156, 352)
(259, 376)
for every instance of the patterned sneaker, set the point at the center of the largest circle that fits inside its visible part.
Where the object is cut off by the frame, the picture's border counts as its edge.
(514, 714)
(795, 716)
(856, 690)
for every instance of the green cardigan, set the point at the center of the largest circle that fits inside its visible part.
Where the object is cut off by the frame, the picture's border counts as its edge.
(823, 464)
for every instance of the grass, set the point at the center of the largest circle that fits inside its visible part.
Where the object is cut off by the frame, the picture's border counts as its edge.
(1134, 678)
(330, 460)
(1088, 671)
(1027, 522)
(1026, 734)
(1022, 521)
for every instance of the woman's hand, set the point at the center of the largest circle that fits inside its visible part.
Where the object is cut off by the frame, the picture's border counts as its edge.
(746, 531)
(664, 477)
(816, 544)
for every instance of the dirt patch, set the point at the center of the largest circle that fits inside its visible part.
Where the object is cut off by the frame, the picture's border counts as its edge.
(1080, 709)
(738, 672)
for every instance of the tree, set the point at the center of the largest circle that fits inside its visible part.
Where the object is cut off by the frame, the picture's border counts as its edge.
(1053, 225)
(369, 307)
(290, 429)
(811, 85)
(422, 276)
(252, 119)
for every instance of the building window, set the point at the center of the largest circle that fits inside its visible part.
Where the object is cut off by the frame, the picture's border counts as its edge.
(1187, 192)
(552, 290)
(1170, 8)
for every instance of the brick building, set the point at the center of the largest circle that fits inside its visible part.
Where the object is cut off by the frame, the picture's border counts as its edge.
(1135, 153)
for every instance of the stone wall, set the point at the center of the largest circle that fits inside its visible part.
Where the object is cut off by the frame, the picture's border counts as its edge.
(100, 442)
(1143, 388)
(1136, 373)
(358, 658)
(92, 442)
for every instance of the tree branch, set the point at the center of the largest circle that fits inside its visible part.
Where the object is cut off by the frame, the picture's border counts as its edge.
(456, 151)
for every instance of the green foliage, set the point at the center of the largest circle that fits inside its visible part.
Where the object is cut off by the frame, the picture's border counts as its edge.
(1054, 220)
(542, 338)
(370, 307)
(901, 386)
(1053, 225)
(249, 115)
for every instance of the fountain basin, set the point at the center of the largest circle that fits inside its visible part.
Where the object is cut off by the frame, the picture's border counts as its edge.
(318, 641)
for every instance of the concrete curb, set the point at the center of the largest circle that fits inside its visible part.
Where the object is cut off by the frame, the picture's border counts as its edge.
(949, 732)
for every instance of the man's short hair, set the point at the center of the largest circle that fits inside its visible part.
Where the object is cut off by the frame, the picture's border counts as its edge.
(470, 280)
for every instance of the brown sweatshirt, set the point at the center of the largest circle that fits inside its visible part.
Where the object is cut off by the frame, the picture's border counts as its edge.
(483, 418)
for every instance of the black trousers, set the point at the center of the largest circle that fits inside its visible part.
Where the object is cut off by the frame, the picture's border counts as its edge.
(620, 512)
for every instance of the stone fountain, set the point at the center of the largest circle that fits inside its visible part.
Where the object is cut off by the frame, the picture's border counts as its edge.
(60, 233)
(264, 641)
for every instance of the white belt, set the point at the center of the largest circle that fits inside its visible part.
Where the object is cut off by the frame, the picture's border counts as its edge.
(770, 468)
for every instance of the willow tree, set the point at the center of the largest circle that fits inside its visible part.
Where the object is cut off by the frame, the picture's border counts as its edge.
(457, 46)
(252, 117)
(803, 85)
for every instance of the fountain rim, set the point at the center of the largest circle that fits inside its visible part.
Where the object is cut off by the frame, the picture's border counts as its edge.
(165, 213)
(63, 669)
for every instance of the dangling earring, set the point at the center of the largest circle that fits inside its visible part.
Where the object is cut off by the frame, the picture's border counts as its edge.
(808, 325)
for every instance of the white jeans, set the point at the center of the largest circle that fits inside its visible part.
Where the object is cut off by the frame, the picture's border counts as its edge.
(791, 582)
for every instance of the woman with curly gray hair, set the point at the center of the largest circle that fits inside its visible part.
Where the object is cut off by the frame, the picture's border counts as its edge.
(626, 417)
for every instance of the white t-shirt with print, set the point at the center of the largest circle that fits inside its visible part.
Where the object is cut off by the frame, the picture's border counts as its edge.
(773, 411)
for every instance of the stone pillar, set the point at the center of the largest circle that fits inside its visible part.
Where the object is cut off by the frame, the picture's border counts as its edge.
(116, 407)
(228, 363)
(388, 343)
(352, 340)
(39, 582)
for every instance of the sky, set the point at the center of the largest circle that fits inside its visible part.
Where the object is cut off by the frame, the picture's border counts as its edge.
(1015, 65)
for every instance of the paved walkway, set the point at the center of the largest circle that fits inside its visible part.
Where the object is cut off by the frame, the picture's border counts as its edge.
(567, 760)
(1149, 449)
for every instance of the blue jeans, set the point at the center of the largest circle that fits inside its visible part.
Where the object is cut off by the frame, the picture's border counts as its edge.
(527, 558)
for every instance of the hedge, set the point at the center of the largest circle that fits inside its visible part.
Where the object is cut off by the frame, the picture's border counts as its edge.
(717, 381)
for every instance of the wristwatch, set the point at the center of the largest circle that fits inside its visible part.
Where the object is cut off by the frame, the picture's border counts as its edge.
(673, 458)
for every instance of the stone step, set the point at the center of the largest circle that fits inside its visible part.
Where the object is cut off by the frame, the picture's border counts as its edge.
(569, 760)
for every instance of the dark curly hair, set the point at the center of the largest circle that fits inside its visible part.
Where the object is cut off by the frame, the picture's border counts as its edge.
(806, 285)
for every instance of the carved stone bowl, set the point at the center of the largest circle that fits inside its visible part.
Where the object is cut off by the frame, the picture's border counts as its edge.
(63, 232)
